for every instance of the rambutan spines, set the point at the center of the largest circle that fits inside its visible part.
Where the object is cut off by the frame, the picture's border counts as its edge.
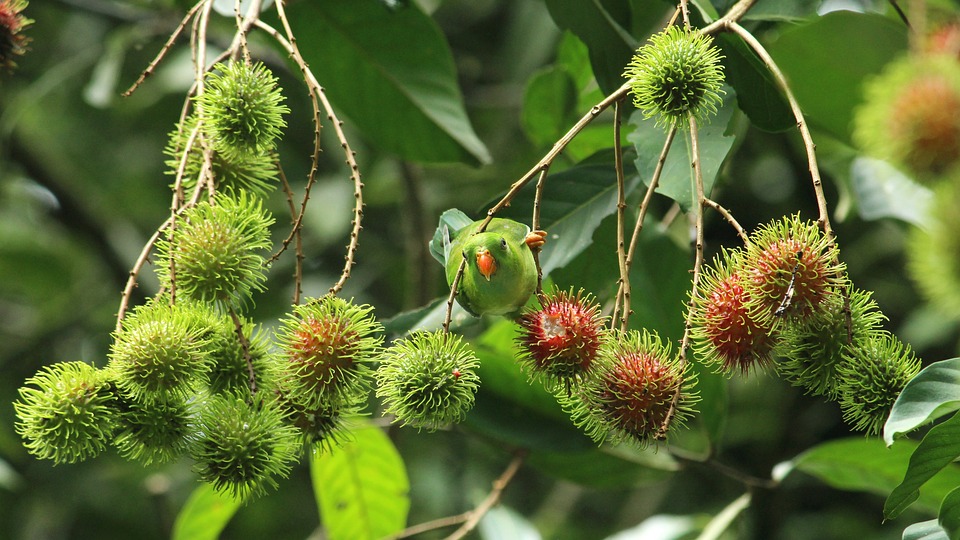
(326, 348)
(559, 341)
(640, 391)
(788, 271)
(723, 331)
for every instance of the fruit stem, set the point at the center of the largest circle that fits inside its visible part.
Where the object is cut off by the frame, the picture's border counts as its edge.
(535, 226)
(623, 296)
(453, 293)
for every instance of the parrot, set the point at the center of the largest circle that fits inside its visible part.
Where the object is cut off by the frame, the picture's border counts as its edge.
(500, 274)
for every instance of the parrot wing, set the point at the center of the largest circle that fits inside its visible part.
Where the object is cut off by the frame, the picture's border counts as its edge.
(451, 222)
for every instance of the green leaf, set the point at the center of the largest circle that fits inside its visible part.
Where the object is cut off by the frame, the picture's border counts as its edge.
(933, 393)
(782, 10)
(606, 467)
(826, 67)
(757, 93)
(859, 464)
(676, 178)
(548, 105)
(939, 448)
(204, 515)
(502, 523)
(949, 517)
(361, 487)
(925, 530)
(602, 25)
(884, 192)
(392, 73)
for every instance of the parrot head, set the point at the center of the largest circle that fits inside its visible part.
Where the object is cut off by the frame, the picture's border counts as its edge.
(487, 259)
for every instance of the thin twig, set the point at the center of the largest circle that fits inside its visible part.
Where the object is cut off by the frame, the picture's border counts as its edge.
(298, 242)
(697, 264)
(623, 297)
(729, 217)
(245, 345)
(164, 50)
(453, 293)
(824, 217)
(735, 474)
(289, 43)
(535, 225)
(493, 497)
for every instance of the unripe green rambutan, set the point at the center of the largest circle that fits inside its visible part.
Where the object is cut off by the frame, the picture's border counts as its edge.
(676, 74)
(256, 173)
(933, 251)
(66, 412)
(810, 355)
(428, 380)
(559, 341)
(326, 348)
(911, 115)
(641, 391)
(241, 448)
(242, 110)
(217, 250)
(723, 331)
(872, 376)
(155, 430)
(788, 271)
(159, 350)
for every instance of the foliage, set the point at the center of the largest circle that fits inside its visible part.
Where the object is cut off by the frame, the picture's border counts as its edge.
(315, 147)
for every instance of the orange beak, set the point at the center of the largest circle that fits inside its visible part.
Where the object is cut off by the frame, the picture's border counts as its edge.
(486, 263)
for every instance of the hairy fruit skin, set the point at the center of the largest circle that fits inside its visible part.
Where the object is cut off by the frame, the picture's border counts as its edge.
(241, 448)
(12, 42)
(676, 74)
(428, 380)
(326, 348)
(66, 412)
(641, 390)
(873, 375)
(559, 341)
(789, 270)
(242, 110)
(911, 116)
(811, 355)
(216, 251)
(724, 332)
(154, 431)
(933, 252)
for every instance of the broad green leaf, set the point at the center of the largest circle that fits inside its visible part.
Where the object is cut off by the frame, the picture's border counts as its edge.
(757, 94)
(925, 530)
(548, 105)
(722, 521)
(782, 10)
(939, 448)
(606, 467)
(934, 392)
(392, 73)
(204, 515)
(361, 487)
(827, 60)
(884, 192)
(603, 26)
(949, 517)
(860, 464)
(676, 180)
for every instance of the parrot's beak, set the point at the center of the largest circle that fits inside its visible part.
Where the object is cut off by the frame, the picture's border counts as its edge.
(486, 263)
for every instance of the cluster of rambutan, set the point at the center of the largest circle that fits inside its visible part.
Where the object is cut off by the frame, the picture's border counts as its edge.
(188, 373)
(618, 386)
(785, 300)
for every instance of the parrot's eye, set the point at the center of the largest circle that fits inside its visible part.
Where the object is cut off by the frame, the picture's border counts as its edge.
(503, 243)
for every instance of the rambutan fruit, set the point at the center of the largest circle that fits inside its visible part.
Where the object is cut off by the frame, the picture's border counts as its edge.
(155, 430)
(12, 22)
(326, 347)
(723, 331)
(428, 379)
(933, 251)
(788, 271)
(640, 391)
(911, 116)
(559, 341)
(810, 355)
(871, 378)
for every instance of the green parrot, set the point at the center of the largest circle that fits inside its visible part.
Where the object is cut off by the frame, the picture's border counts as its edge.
(500, 274)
